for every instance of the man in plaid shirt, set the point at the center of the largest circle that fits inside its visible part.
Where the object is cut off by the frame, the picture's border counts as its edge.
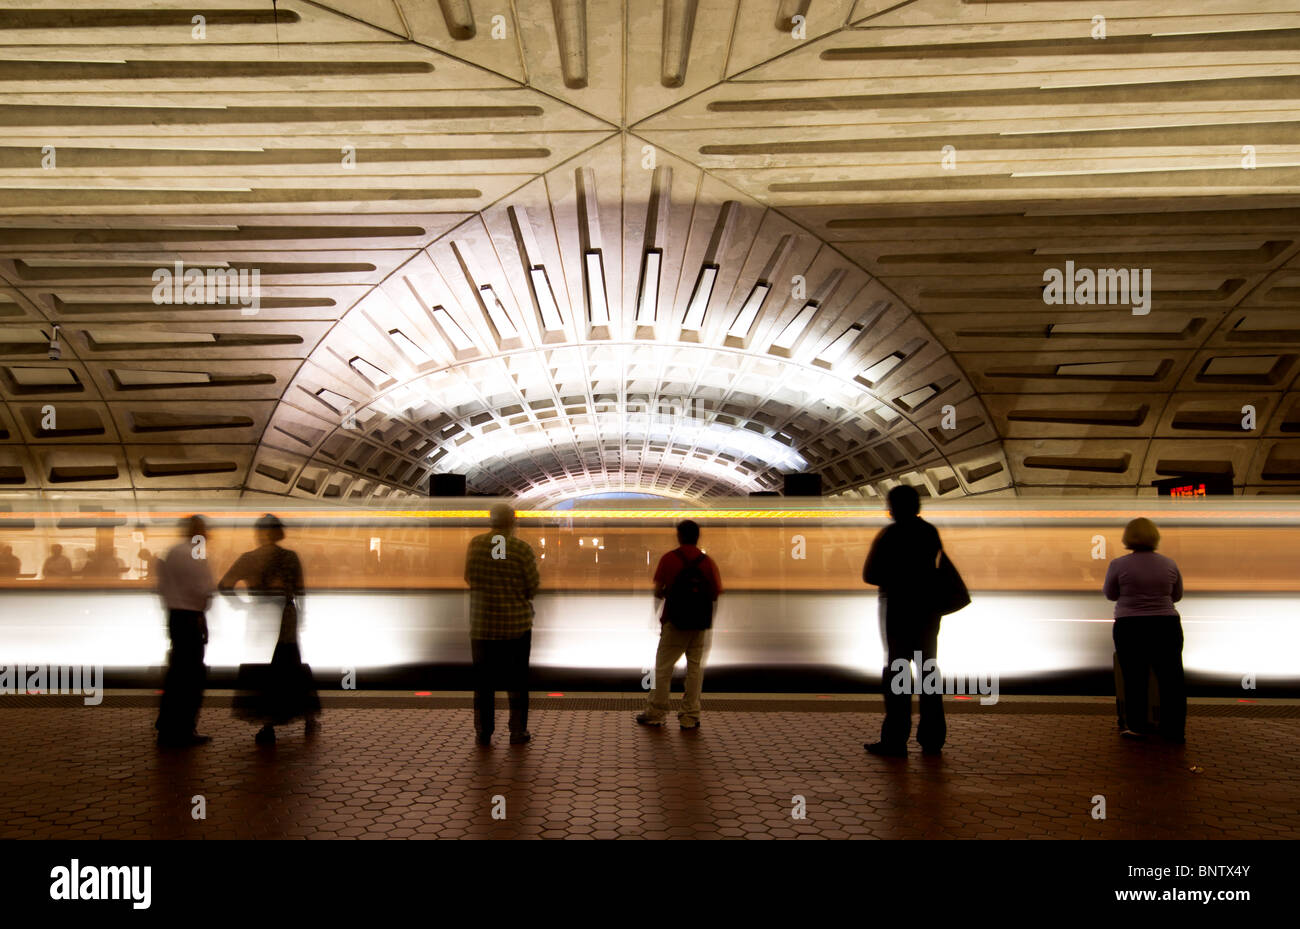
(501, 571)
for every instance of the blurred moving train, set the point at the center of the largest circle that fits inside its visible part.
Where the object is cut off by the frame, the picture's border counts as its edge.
(385, 587)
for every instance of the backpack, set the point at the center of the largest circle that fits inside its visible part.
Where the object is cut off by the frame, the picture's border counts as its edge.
(689, 601)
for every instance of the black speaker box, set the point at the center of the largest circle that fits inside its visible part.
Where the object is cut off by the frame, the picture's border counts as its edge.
(803, 485)
(447, 485)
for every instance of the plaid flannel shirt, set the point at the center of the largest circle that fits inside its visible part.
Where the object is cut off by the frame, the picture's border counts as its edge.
(501, 590)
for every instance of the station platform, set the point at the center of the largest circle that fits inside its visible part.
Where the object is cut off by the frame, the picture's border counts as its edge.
(401, 765)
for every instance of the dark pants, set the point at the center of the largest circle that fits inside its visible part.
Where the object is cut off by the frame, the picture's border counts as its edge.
(178, 710)
(1152, 643)
(907, 633)
(501, 664)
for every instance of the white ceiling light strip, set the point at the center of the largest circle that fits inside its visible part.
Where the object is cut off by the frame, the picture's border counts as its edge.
(423, 311)
(647, 298)
(335, 401)
(762, 289)
(708, 276)
(749, 312)
(545, 297)
(459, 340)
(881, 368)
(408, 347)
(699, 302)
(374, 375)
(500, 319)
(656, 237)
(593, 262)
(836, 349)
(502, 325)
(796, 327)
(832, 354)
(539, 282)
(593, 279)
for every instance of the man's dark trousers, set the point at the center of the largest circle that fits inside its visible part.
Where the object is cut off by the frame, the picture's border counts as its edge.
(906, 633)
(501, 664)
(178, 711)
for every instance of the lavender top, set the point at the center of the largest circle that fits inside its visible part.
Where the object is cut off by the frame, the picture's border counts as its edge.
(1143, 584)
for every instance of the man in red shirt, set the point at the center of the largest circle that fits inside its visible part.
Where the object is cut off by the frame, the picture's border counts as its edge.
(688, 582)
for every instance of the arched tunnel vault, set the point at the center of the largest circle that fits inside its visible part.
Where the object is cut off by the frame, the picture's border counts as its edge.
(392, 169)
(678, 339)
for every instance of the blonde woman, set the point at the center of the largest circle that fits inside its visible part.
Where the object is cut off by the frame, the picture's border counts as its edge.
(1148, 632)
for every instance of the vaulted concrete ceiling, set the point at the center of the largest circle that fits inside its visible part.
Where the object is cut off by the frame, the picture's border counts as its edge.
(489, 238)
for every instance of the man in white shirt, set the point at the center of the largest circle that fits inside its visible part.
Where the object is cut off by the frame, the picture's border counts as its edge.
(186, 586)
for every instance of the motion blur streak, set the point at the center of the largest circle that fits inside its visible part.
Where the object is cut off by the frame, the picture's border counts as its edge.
(385, 586)
(1009, 634)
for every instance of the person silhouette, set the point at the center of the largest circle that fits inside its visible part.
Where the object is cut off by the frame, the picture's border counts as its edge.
(186, 587)
(284, 691)
(10, 565)
(103, 562)
(501, 571)
(903, 564)
(688, 583)
(1148, 631)
(57, 565)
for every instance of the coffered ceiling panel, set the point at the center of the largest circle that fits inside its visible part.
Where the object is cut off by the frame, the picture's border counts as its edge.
(673, 246)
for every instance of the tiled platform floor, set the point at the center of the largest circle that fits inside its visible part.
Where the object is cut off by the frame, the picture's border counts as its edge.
(389, 767)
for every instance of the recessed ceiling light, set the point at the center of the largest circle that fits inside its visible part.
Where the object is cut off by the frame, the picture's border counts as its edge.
(749, 312)
(836, 349)
(700, 297)
(459, 340)
(597, 301)
(413, 351)
(545, 297)
(501, 321)
(793, 329)
(335, 401)
(373, 374)
(647, 306)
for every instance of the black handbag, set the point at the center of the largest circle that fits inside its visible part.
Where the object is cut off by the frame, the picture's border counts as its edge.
(951, 594)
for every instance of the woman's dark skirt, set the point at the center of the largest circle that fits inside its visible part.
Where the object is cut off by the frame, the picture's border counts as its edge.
(277, 693)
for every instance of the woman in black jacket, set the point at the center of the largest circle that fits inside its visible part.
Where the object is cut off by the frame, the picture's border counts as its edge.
(903, 563)
(284, 691)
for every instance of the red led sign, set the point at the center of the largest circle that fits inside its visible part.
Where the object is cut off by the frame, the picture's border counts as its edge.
(1191, 486)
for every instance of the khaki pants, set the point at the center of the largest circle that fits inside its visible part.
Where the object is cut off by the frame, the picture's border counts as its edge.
(673, 643)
